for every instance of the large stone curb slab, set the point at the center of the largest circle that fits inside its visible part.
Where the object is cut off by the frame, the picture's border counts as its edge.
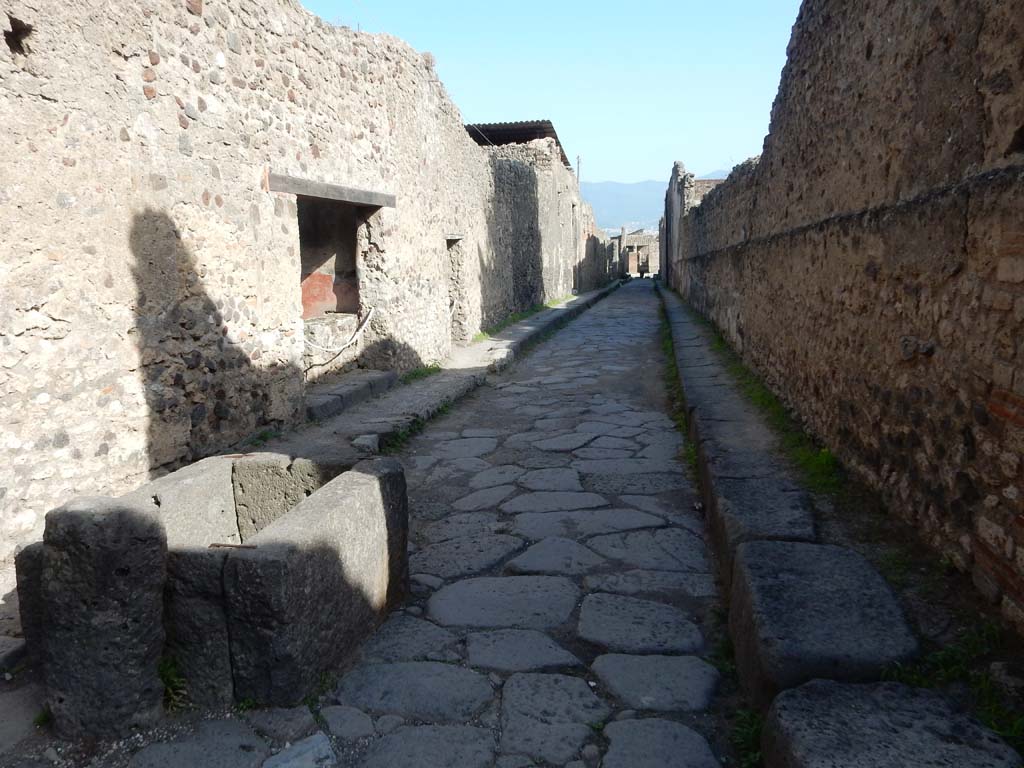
(883, 725)
(653, 743)
(803, 611)
(316, 583)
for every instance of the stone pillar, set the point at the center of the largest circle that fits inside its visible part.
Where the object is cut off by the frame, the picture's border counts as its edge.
(103, 574)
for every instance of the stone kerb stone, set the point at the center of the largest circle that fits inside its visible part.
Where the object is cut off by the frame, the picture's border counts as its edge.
(316, 583)
(883, 725)
(321, 572)
(802, 611)
(102, 576)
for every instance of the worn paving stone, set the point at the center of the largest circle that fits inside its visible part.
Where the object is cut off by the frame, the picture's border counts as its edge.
(553, 501)
(406, 638)
(801, 611)
(423, 690)
(464, 556)
(615, 443)
(465, 447)
(654, 743)
(517, 650)
(555, 479)
(469, 464)
(659, 549)
(436, 746)
(556, 556)
(282, 724)
(658, 683)
(347, 723)
(654, 482)
(567, 442)
(506, 473)
(18, 709)
(580, 523)
(548, 717)
(312, 752)
(669, 584)
(226, 743)
(626, 466)
(630, 625)
(602, 453)
(464, 524)
(530, 602)
(486, 498)
(881, 725)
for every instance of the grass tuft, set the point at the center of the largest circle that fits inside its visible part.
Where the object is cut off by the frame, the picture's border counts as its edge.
(746, 737)
(175, 690)
(420, 373)
(263, 437)
(44, 719)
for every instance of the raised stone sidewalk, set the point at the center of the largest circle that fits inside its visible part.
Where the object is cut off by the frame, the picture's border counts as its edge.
(808, 620)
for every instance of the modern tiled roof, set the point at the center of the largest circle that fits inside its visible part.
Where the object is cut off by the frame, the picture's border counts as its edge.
(515, 133)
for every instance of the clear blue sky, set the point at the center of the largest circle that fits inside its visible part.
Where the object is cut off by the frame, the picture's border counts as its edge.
(630, 86)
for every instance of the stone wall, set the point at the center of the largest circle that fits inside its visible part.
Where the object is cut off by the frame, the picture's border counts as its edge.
(150, 303)
(870, 265)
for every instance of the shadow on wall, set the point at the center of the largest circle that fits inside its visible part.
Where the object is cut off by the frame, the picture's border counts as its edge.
(512, 280)
(203, 391)
(595, 270)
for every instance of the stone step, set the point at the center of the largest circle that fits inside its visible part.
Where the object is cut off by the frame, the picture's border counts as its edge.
(881, 725)
(323, 402)
(802, 611)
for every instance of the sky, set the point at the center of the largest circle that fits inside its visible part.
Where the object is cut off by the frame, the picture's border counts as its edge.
(631, 86)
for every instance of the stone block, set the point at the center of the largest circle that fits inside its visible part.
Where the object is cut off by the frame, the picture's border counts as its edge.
(762, 509)
(28, 567)
(196, 624)
(267, 485)
(316, 583)
(196, 504)
(882, 725)
(103, 575)
(802, 611)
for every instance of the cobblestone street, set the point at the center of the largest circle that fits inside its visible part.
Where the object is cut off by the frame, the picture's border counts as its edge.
(560, 574)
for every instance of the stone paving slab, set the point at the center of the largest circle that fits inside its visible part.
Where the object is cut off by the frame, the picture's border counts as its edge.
(437, 746)
(803, 611)
(529, 602)
(582, 523)
(548, 717)
(464, 556)
(630, 625)
(406, 638)
(659, 549)
(658, 683)
(517, 650)
(424, 690)
(557, 556)
(215, 744)
(882, 725)
(654, 743)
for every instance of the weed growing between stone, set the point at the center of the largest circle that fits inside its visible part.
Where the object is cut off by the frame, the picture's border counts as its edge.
(396, 441)
(263, 437)
(44, 719)
(746, 737)
(420, 373)
(175, 690)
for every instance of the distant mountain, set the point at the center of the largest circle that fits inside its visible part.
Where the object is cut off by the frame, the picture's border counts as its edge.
(633, 206)
(715, 175)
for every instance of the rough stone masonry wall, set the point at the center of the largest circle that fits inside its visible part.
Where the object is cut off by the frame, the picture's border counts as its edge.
(150, 308)
(870, 265)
